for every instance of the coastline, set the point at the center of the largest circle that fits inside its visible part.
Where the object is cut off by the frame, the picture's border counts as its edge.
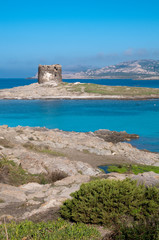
(75, 156)
(85, 98)
(78, 91)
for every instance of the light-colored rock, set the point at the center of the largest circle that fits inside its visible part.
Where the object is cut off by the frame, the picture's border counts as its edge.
(73, 179)
(33, 200)
(147, 178)
(11, 194)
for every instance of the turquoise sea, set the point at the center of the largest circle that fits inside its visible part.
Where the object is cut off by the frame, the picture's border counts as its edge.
(140, 117)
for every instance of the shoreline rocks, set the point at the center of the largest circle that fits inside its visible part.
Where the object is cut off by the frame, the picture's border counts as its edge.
(77, 154)
(115, 137)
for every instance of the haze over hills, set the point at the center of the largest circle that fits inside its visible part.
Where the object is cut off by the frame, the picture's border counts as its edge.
(139, 69)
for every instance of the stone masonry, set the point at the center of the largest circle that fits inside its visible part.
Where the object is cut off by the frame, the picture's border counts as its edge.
(50, 73)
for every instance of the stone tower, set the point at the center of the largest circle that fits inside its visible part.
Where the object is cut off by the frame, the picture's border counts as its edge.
(50, 74)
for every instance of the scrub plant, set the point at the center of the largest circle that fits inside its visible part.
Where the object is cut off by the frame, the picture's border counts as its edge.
(54, 230)
(108, 201)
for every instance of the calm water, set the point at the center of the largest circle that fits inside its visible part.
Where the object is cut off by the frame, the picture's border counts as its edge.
(15, 82)
(140, 117)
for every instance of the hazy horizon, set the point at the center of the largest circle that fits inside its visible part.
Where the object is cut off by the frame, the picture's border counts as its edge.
(75, 34)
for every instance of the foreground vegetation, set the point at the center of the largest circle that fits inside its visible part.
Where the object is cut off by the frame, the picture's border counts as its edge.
(135, 169)
(53, 230)
(142, 230)
(13, 174)
(130, 210)
(106, 201)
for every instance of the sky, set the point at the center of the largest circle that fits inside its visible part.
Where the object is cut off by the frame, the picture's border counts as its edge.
(75, 34)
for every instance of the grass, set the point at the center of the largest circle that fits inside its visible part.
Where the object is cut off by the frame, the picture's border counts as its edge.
(54, 230)
(86, 151)
(119, 90)
(133, 169)
(15, 175)
(43, 149)
(111, 90)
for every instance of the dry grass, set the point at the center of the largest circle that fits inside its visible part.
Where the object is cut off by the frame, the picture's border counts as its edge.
(110, 90)
(42, 149)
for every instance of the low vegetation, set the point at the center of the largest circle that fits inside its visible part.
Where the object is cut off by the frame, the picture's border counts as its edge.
(135, 169)
(42, 149)
(142, 230)
(110, 90)
(107, 201)
(54, 230)
(13, 174)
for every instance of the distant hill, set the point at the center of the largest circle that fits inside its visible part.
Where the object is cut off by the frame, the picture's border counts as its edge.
(139, 69)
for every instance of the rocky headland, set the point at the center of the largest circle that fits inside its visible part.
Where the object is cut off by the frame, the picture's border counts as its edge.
(68, 159)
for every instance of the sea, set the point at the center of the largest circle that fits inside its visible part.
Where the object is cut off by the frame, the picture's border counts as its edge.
(133, 116)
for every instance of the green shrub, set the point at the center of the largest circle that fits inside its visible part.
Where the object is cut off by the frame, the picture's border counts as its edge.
(107, 201)
(143, 230)
(53, 230)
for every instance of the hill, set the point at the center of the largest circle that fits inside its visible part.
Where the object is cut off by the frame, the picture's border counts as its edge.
(137, 69)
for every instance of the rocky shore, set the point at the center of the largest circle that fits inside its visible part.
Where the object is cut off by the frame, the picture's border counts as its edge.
(75, 155)
(77, 91)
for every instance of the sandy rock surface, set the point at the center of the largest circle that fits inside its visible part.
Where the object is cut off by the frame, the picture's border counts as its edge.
(40, 150)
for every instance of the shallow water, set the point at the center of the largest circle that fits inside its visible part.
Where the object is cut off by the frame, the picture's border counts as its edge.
(140, 117)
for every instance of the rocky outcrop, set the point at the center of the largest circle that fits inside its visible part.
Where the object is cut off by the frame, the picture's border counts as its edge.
(77, 155)
(115, 137)
(28, 142)
(35, 201)
(146, 178)
(50, 73)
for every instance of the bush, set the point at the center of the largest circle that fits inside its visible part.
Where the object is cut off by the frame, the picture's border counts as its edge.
(142, 230)
(54, 230)
(108, 201)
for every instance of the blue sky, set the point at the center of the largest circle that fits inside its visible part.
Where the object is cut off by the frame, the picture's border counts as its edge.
(75, 33)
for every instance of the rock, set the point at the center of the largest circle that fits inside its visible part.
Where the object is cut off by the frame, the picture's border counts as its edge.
(36, 163)
(41, 150)
(117, 176)
(115, 137)
(147, 178)
(73, 179)
(34, 201)
(50, 74)
(11, 194)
